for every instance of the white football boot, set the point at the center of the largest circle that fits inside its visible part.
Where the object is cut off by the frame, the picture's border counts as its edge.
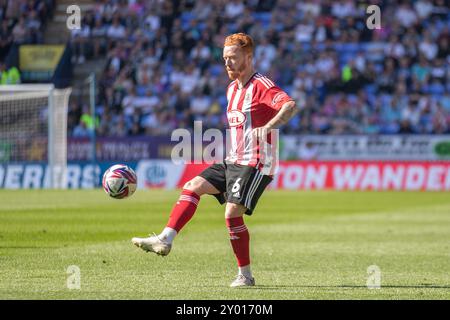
(153, 244)
(242, 281)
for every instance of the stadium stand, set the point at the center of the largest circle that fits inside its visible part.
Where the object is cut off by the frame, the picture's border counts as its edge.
(164, 68)
(23, 22)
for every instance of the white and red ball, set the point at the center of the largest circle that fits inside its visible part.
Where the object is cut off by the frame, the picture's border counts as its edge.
(119, 181)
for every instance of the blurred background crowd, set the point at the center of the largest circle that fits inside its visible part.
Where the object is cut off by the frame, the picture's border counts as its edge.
(164, 62)
(22, 22)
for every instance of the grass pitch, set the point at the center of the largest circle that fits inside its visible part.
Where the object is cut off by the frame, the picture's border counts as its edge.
(305, 245)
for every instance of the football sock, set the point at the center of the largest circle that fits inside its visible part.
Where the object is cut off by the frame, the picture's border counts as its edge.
(183, 210)
(240, 240)
(168, 234)
(246, 271)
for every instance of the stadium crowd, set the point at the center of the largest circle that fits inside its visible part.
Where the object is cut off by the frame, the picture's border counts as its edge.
(165, 70)
(22, 22)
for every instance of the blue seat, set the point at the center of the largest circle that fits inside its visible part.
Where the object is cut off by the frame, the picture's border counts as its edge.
(140, 90)
(216, 70)
(263, 17)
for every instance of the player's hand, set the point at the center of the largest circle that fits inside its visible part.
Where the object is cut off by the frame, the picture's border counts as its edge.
(260, 133)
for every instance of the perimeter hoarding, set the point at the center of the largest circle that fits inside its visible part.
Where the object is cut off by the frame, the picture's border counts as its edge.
(292, 175)
(322, 175)
(346, 147)
(369, 147)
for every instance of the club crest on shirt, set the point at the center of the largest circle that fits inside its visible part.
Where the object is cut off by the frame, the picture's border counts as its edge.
(236, 118)
(248, 97)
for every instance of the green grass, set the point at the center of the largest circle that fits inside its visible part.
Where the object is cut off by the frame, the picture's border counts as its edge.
(305, 245)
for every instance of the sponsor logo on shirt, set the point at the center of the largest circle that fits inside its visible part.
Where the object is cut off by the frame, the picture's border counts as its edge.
(236, 118)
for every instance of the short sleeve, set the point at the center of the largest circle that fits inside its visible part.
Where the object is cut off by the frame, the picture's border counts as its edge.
(274, 98)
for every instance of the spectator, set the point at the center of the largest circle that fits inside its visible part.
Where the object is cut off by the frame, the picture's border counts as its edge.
(87, 119)
(116, 31)
(116, 60)
(20, 32)
(79, 40)
(423, 8)
(6, 39)
(33, 25)
(265, 50)
(200, 103)
(98, 35)
(234, 8)
(304, 31)
(406, 15)
(9, 76)
(428, 48)
(81, 130)
(343, 8)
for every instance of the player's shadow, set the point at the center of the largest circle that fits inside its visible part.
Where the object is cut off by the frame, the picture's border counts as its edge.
(28, 247)
(419, 286)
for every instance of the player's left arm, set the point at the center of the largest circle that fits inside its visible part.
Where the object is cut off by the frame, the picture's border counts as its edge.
(285, 107)
(286, 112)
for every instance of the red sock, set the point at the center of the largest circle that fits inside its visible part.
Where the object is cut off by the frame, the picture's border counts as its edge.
(240, 240)
(183, 210)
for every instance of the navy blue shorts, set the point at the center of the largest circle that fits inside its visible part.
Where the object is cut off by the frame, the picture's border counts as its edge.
(237, 183)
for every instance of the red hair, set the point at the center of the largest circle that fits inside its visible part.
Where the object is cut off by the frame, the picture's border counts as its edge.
(242, 40)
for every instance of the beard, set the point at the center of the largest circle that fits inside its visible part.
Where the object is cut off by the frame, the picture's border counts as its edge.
(236, 72)
(233, 75)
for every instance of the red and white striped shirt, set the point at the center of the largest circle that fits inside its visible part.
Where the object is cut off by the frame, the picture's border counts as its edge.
(250, 107)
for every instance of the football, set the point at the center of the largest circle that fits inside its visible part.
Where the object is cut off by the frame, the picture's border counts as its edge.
(119, 181)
